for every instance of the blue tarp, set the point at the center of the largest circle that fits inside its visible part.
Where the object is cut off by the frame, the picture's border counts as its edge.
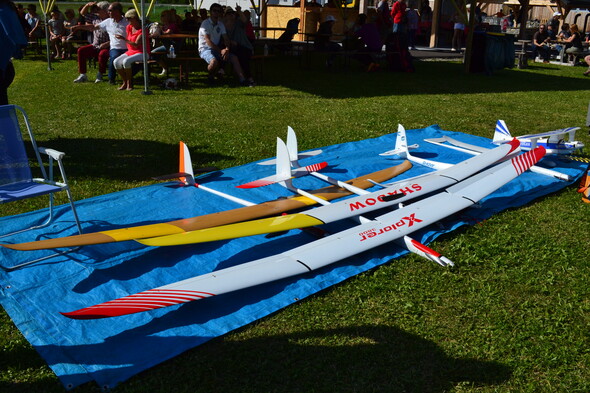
(110, 351)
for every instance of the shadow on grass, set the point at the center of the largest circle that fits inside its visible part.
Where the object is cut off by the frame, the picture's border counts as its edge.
(360, 358)
(429, 78)
(125, 159)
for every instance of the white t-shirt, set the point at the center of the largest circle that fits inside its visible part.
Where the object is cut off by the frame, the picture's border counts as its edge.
(214, 31)
(110, 26)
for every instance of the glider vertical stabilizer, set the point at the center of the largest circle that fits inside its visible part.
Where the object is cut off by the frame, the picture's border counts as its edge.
(501, 134)
(185, 165)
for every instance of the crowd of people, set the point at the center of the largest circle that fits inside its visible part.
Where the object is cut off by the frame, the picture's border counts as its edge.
(115, 38)
(568, 37)
(383, 25)
(225, 35)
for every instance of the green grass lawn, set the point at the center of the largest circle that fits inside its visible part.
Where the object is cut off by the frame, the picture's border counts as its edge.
(512, 316)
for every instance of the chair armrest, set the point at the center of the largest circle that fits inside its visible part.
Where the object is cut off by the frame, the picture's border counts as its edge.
(56, 155)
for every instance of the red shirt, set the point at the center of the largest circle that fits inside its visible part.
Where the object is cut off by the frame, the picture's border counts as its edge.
(397, 11)
(131, 36)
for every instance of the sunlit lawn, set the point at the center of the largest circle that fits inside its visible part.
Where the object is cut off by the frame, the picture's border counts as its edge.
(512, 316)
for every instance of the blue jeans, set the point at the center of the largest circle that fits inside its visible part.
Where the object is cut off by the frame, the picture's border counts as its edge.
(114, 53)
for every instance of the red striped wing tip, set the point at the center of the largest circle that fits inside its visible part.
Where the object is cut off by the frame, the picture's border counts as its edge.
(316, 167)
(255, 184)
(143, 301)
(525, 161)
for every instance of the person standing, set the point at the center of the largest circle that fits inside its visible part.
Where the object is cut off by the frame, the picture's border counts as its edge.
(12, 40)
(398, 15)
(554, 22)
(412, 18)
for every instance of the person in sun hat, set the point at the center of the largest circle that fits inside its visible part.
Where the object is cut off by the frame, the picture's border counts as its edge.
(322, 37)
(554, 21)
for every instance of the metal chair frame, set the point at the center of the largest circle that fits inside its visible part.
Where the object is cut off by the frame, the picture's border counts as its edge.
(47, 179)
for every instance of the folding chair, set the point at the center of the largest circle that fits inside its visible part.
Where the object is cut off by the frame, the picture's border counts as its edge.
(16, 180)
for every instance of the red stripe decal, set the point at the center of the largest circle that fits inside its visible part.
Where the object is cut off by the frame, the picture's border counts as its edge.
(143, 301)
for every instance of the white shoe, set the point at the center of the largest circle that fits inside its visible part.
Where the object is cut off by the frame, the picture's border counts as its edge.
(98, 77)
(81, 78)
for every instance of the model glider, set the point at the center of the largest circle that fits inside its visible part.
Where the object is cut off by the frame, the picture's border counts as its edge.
(323, 252)
(403, 151)
(284, 169)
(554, 142)
(454, 144)
(250, 211)
(395, 193)
(294, 154)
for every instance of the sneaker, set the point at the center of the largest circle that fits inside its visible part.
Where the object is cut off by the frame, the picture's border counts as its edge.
(81, 78)
(98, 78)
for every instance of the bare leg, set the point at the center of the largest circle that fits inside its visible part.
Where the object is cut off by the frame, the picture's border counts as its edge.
(122, 74)
(237, 67)
(129, 75)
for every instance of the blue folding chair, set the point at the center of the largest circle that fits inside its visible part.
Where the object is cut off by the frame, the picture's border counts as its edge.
(16, 179)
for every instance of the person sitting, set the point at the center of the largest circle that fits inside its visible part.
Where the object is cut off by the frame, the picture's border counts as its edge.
(215, 46)
(33, 20)
(249, 28)
(169, 26)
(564, 33)
(369, 41)
(322, 41)
(56, 33)
(540, 47)
(551, 34)
(99, 49)
(133, 40)
(70, 35)
(115, 26)
(577, 48)
(235, 24)
(189, 24)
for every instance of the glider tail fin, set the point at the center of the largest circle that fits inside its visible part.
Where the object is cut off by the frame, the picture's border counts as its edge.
(292, 148)
(501, 134)
(283, 165)
(185, 165)
(401, 142)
